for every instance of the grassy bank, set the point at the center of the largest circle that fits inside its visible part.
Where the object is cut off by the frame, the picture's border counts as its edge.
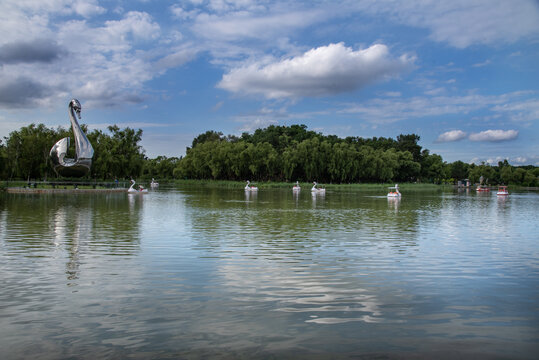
(62, 184)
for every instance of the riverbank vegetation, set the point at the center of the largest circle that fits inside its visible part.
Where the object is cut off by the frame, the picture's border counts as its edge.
(274, 154)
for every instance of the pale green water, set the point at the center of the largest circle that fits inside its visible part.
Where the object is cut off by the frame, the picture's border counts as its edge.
(211, 273)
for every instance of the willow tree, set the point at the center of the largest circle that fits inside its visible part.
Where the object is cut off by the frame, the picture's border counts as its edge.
(27, 152)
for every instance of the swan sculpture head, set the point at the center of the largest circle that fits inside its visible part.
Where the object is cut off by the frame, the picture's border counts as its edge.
(75, 105)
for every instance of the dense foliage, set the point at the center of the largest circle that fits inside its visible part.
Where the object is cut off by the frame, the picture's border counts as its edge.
(276, 153)
(293, 153)
(117, 154)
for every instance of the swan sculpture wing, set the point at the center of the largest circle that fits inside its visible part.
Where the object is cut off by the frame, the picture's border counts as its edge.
(80, 165)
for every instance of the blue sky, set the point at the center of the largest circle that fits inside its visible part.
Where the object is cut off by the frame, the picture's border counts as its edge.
(462, 74)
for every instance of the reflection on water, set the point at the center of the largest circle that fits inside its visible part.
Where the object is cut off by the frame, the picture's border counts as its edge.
(204, 272)
(37, 226)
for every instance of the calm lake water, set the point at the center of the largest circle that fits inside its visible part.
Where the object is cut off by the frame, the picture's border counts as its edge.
(195, 273)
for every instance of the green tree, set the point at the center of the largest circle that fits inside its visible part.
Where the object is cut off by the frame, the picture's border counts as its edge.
(432, 167)
(529, 178)
(3, 161)
(518, 175)
(484, 170)
(27, 152)
(458, 170)
(208, 136)
(407, 168)
(410, 143)
(160, 167)
(506, 174)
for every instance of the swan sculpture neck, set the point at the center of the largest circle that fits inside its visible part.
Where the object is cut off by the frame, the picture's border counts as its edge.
(131, 188)
(83, 148)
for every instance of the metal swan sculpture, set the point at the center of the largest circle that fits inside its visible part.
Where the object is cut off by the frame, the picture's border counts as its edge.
(80, 165)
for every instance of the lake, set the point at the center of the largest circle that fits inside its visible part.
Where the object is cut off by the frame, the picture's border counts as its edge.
(198, 272)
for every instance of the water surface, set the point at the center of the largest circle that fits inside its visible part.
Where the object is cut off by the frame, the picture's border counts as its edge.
(189, 272)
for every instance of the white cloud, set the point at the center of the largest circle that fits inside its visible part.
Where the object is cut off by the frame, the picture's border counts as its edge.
(327, 70)
(515, 161)
(87, 8)
(384, 111)
(521, 111)
(481, 64)
(435, 91)
(387, 111)
(254, 124)
(247, 25)
(217, 106)
(525, 160)
(182, 14)
(462, 23)
(41, 11)
(494, 135)
(139, 24)
(178, 57)
(77, 58)
(449, 136)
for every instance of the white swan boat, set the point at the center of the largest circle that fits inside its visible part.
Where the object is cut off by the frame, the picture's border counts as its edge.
(394, 192)
(315, 190)
(248, 187)
(133, 190)
(502, 191)
(296, 187)
(154, 184)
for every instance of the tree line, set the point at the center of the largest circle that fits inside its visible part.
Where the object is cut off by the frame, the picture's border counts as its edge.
(24, 154)
(275, 153)
(281, 153)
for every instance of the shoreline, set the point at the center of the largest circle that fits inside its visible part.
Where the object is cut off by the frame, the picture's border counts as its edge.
(22, 190)
(85, 187)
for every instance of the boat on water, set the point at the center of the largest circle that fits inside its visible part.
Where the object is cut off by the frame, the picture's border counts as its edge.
(502, 191)
(315, 190)
(481, 187)
(248, 187)
(394, 192)
(133, 190)
(154, 184)
(296, 187)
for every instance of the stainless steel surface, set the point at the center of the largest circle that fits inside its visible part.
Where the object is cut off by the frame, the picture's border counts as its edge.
(81, 164)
